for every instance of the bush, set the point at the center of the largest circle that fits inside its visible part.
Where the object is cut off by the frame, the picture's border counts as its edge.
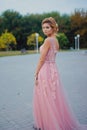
(63, 41)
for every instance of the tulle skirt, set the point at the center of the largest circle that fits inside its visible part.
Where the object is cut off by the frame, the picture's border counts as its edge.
(51, 108)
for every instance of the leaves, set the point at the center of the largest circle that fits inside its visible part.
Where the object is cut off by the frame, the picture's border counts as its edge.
(31, 40)
(6, 39)
(79, 26)
(63, 41)
(22, 26)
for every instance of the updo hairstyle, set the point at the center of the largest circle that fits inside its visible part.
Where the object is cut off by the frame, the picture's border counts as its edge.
(51, 21)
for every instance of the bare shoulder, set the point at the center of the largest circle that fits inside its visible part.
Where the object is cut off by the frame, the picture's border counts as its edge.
(49, 39)
(47, 42)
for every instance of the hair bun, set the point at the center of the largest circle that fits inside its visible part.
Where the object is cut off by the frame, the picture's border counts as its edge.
(52, 22)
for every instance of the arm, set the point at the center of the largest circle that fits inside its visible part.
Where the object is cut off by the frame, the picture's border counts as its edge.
(46, 47)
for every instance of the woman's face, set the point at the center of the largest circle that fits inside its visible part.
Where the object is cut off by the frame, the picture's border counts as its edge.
(47, 29)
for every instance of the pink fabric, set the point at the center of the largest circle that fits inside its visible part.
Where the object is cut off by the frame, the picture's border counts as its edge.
(51, 108)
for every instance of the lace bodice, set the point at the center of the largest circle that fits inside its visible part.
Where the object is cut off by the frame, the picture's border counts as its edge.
(51, 55)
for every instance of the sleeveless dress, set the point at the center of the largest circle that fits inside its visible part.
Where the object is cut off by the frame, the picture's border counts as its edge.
(51, 109)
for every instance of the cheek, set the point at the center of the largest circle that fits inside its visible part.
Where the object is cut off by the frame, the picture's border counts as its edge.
(50, 30)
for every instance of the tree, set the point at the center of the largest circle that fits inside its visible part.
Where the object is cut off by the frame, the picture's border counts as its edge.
(63, 41)
(7, 41)
(2, 45)
(11, 20)
(23, 26)
(64, 23)
(79, 26)
(31, 41)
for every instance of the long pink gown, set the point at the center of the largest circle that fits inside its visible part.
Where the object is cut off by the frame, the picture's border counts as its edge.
(51, 109)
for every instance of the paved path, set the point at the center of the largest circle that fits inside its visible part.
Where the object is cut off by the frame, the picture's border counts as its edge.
(16, 87)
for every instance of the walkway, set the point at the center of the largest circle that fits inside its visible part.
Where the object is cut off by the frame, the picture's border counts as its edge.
(16, 87)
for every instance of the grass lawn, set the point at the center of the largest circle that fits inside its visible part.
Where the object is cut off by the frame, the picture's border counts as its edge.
(13, 53)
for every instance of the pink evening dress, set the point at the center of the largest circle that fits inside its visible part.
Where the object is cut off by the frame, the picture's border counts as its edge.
(51, 109)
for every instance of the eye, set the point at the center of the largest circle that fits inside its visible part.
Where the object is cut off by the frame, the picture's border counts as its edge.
(47, 27)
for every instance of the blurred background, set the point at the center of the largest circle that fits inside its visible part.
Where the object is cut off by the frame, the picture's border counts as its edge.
(20, 23)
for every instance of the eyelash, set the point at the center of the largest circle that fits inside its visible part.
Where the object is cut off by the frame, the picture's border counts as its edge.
(46, 27)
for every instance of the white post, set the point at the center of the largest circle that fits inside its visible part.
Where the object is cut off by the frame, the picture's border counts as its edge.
(78, 36)
(75, 42)
(37, 41)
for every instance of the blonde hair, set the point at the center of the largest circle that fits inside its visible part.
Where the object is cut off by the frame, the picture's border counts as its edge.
(51, 21)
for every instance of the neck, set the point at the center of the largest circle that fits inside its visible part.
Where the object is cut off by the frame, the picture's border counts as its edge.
(53, 35)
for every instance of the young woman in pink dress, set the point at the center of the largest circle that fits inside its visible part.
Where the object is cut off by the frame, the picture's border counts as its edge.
(51, 108)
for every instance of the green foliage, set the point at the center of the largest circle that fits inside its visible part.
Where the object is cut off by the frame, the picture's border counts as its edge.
(11, 21)
(64, 24)
(63, 41)
(23, 26)
(7, 40)
(31, 41)
(2, 45)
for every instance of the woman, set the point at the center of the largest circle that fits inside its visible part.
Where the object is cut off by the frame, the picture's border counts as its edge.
(51, 109)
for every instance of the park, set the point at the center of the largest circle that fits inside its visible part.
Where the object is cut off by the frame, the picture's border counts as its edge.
(20, 39)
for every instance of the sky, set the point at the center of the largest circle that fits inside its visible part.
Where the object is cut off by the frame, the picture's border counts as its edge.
(42, 6)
